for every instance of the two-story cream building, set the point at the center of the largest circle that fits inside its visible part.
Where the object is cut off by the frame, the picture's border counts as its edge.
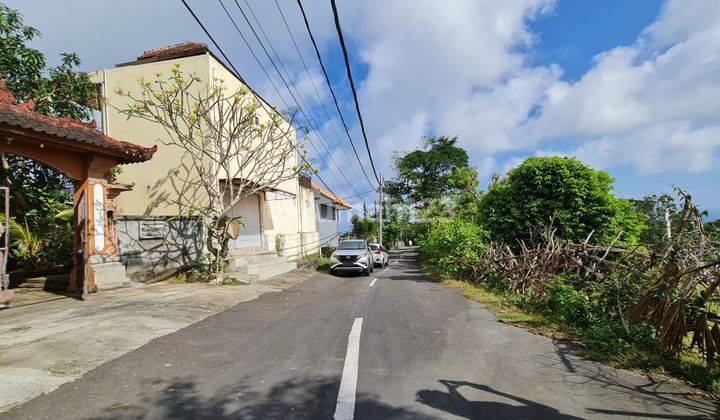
(156, 234)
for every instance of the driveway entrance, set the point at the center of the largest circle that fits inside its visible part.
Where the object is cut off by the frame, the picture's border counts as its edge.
(86, 156)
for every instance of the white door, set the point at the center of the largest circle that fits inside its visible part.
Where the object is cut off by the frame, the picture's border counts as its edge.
(249, 233)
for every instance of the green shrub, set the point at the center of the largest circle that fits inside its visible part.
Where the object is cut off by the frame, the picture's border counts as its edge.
(567, 303)
(454, 247)
(611, 337)
(576, 198)
(327, 250)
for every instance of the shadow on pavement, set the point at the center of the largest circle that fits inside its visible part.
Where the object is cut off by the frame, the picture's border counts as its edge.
(453, 402)
(656, 391)
(183, 398)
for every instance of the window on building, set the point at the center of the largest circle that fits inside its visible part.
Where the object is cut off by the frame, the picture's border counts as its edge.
(327, 212)
(323, 211)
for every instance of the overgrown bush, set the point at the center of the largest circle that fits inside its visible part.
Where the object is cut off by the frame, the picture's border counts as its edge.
(327, 250)
(316, 261)
(454, 247)
(575, 198)
(568, 303)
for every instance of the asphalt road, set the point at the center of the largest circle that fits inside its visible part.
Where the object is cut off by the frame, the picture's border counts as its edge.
(422, 351)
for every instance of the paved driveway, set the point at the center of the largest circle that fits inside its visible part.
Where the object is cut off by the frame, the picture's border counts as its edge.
(394, 347)
(47, 344)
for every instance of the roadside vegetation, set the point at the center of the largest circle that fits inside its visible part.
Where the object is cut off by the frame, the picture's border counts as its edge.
(317, 261)
(549, 246)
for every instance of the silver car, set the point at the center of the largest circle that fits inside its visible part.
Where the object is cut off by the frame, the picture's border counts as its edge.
(352, 255)
(380, 255)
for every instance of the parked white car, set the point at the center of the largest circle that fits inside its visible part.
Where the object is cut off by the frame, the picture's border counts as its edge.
(352, 255)
(380, 255)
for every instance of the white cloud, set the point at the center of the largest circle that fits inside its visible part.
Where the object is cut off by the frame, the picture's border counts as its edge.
(458, 68)
(455, 65)
(654, 105)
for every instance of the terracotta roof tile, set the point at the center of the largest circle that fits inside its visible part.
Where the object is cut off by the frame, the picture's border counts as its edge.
(330, 196)
(23, 115)
(185, 48)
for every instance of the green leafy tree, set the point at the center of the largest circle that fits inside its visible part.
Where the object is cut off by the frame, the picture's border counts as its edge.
(576, 199)
(424, 174)
(38, 191)
(60, 91)
(397, 226)
(363, 228)
(713, 229)
(466, 195)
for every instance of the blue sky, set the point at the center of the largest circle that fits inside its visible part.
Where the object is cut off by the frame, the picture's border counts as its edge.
(577, 30)
(631, 87)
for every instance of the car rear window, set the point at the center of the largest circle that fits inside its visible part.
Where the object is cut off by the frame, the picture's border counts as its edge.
(374, 247)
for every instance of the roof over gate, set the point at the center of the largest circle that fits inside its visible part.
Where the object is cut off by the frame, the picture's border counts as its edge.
(23, 119)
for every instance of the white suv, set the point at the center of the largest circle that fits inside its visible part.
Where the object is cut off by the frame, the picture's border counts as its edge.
(352, 255)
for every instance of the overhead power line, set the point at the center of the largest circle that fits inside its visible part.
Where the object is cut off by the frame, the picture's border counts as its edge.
(352, 86)
(237, 74)
(304, 109)
(272, 83)
(332, 92)
(317, 92)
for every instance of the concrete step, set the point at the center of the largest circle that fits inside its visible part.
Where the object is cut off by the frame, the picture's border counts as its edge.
(256, 259)
(271, 270)
(242, 260)
(251, 250)
(242, 267)
(266, 261)
(259, 265)
(244, 278)
(112, 284)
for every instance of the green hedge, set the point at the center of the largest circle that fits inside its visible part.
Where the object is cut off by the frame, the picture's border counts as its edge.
(453, 247)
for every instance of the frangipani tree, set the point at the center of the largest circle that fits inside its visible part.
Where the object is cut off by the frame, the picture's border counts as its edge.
(234, 146)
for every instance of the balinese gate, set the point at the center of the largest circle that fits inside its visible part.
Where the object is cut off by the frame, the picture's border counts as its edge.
(85, 155)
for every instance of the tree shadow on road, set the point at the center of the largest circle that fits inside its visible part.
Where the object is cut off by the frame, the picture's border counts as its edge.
(666, 397)
(184, 398)
(453, 402)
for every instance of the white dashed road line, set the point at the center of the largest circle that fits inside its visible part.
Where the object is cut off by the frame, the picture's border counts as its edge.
(386, 269)
(345, 408)
(372, 283)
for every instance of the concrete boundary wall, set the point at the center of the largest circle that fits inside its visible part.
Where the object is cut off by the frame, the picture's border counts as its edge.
(153, 248)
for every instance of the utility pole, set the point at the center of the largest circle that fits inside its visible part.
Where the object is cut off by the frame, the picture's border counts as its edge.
(379, 212)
